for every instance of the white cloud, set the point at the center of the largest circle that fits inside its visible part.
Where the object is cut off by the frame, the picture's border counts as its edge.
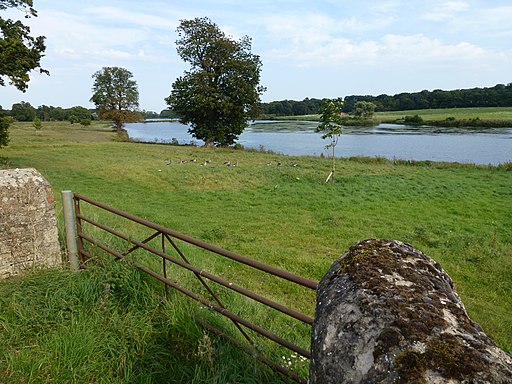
(447, 10)
(390, 49)
(79, 38)
(320, 25)
(493, 22)
(386, 7)
(135, 18)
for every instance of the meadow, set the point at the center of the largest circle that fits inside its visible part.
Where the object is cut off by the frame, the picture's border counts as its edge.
(498, 114)
(61, 327)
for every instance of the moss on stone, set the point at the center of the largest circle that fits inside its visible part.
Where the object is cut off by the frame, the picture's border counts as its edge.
(447, 357)
(411, 366)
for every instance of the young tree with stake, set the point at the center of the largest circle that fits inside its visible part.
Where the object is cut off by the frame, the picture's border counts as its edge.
(331, 126)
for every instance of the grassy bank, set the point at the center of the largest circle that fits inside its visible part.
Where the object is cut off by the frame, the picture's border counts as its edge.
(498, 113)
(281, 214)
(486, 117)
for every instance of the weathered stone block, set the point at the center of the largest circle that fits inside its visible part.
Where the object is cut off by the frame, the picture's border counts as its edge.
(28, 226)
(387, 313)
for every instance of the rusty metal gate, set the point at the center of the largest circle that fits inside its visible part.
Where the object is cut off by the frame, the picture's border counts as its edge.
(214, 302)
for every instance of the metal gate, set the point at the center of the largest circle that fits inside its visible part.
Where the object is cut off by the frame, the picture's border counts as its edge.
(170, 252)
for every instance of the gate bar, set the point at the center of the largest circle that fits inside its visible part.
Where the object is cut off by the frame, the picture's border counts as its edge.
(202, 244)
(291, 312)
(223, 311)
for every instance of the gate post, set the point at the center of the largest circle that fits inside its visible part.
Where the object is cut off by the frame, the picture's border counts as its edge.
(69, 223)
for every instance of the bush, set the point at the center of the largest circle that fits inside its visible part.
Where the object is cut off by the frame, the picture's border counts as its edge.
(413, 120)
(37, 124)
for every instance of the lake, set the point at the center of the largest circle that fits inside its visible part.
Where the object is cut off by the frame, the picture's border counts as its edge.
(462, 145)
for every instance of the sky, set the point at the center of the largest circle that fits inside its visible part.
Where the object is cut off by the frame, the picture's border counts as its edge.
(316, 49)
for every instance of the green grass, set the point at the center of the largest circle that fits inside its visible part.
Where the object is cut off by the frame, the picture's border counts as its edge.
(488, 113)
(106, 325)
(283, 215)
(497, 113)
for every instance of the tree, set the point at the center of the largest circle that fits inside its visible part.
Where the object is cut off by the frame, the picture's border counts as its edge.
(37, 124)
(80, 113)
(20, 53)
(58, 114)
(331, 125)
(23, 111)
(5, 121)
(116, 96)
(364, 109)
(167, 114)
(220, 93)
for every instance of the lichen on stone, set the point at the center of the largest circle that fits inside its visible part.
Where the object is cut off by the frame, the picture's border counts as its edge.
(386, 303)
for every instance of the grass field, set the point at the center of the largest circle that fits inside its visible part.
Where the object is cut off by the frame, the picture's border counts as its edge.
(497, 113)
(283, 215)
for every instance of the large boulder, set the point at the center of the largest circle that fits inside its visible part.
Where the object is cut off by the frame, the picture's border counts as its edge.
(387, 313)
(28, 226)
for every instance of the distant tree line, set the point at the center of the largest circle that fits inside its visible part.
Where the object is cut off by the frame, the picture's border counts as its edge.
(497, 96)
(292, 107)
(23, 111)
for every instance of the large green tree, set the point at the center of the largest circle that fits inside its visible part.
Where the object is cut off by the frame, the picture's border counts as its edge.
(19, 54)
(116, 96)
(221, 92)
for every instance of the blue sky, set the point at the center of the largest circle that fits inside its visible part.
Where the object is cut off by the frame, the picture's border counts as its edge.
(315, 49)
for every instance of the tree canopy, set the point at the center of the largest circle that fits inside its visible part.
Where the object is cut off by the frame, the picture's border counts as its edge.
(364, 109)
(292, 107)
(116, 96)
(23, 111)
(20, 53)
(498, 96)
(221, 92)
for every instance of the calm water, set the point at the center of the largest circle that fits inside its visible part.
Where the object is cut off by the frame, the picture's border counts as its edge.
(470, 145)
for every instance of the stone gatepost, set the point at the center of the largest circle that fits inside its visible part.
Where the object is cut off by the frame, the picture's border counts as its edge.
(28, 226)
(388, 313)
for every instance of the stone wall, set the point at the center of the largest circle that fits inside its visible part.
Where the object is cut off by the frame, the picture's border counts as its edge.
(387, 313)
(28, 226)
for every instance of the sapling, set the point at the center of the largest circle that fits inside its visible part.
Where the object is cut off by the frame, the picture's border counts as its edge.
(331, 126)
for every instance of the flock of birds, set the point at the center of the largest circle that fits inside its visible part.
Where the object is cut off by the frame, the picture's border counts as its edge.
(227, 163)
